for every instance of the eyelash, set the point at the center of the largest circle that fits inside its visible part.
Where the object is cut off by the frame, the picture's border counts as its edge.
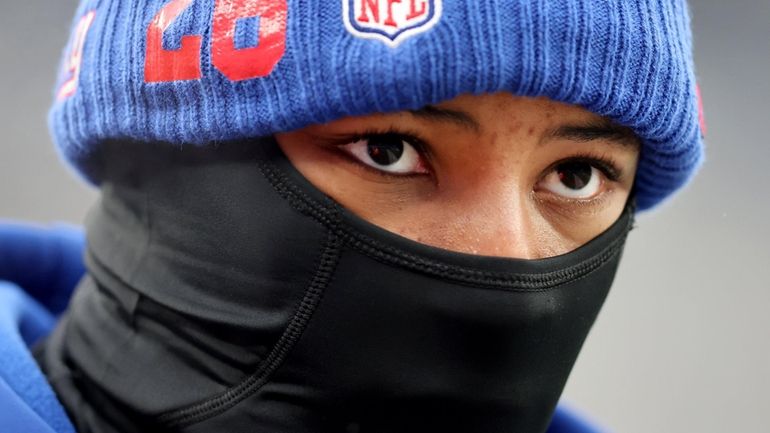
(412, 137)
(603, 163)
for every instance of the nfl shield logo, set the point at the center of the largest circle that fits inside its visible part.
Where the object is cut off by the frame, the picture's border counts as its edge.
(391, 21)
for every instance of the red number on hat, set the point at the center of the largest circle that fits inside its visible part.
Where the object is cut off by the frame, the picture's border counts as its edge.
(75, 58)
(161, 65)
(254, 62)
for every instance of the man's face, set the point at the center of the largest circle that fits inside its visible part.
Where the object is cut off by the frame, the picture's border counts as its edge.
(492, 174)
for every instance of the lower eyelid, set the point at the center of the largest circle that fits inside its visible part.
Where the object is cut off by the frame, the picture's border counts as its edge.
(606, 184)
(570, 213)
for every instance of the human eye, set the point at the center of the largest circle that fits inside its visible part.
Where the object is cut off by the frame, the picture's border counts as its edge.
(389, 153)
(578, 178)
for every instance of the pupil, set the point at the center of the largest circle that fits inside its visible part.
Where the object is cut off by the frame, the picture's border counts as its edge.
(574, 175)
(385, 149)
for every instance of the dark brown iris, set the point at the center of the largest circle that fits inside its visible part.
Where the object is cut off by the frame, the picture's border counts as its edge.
(574, 175)
(385, 149)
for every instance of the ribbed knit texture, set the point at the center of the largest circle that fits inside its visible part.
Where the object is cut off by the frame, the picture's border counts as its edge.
(630, 60)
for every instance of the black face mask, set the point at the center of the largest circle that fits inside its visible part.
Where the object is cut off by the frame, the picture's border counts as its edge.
(226, 294)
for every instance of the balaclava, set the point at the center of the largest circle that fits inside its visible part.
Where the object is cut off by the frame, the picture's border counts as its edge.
(226, 293)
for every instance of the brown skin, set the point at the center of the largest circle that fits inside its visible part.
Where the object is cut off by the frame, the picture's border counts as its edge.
(485, 177)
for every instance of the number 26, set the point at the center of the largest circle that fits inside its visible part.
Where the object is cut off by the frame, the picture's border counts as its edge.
(162, 65)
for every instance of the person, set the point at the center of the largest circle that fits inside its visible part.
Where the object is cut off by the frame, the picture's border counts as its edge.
(351, 216)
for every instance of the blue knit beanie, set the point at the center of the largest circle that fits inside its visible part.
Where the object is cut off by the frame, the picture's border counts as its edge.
(204, 71)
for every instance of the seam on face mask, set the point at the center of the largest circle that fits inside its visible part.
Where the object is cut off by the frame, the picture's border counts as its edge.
(302, 202)
(212, 407)
(522, 283)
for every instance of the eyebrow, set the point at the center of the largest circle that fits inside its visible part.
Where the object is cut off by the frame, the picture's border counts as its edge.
(597, 130)
(457, 117)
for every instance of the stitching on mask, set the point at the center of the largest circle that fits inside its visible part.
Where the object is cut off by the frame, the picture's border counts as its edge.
(513, 283)
(391, 255)
(212, 407)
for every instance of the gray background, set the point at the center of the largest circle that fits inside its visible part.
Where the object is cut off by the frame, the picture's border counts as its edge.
(682, 343)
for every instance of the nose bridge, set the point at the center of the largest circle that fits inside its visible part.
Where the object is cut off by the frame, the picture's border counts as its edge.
(498, 219)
